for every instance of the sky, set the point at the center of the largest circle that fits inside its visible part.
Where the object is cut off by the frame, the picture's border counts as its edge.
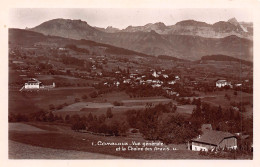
(123, 17)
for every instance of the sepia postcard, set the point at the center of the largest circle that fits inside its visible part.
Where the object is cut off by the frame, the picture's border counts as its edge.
(131, 82)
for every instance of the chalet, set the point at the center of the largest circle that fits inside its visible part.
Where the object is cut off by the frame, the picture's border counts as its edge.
(211, 139)
(33, 84)
(222, 83)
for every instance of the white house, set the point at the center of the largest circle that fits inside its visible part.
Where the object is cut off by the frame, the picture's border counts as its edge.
(35, 84)
(171, 82)
(222, 83)
(155, 74)
(165, 76)
(32, 84)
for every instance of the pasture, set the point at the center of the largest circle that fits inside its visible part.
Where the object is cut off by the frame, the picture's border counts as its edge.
(28, 102)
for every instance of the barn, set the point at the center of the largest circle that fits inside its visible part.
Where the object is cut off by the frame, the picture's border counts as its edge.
(212, 139)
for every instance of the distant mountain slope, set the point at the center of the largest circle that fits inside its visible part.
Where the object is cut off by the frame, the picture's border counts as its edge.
(109, 29)
(186, 40)
(225, 58)
(196, 28)
(27, 38)
(74, 29)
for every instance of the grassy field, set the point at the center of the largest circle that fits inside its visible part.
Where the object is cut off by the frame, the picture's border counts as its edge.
(218, 98)
(28, 102)
(24, 151)
(100, 104)
(66, 142)
(185, 109)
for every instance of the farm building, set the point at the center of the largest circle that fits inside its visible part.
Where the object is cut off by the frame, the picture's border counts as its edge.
(211, 139)
(222, 83)
(33, 84)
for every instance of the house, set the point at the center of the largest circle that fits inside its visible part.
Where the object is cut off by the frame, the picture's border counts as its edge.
(156, 85)
(165, 76)
(212, 139)
(133, 75)
(33, 84)
(62, 48)
(222, 83)
(171, 82)
(177, 77)
(155, 74)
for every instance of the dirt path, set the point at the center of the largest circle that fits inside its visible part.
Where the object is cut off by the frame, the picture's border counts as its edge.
(24, 151)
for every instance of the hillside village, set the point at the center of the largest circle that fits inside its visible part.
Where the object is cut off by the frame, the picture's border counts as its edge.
(87, 90)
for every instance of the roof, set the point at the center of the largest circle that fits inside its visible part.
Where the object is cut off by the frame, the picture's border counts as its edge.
(213, 137)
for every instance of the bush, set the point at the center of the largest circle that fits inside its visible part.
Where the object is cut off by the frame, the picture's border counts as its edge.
(59, 107)
(109, 113)
(78, 126)
(77, 100)
(93, 95)
(84, 97)
(51, 107)
(134, 131)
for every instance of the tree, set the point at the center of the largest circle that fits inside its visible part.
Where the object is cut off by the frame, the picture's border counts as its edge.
(196, 112)
(115, 128)
(75, 118)
(174, 109)
(176, 130)
(67, 118)
(102, 118)
(51, 107)
(109, 113)
(93, 94)
(78, 126)
(77, 100)
(90, 117)
(123, 128)
(50, 117)
(219, 113)
(235, 93)
(149, 121)
(227, 96)
(84, 97)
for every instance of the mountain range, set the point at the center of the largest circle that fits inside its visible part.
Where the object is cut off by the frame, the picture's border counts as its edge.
(188, 39)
